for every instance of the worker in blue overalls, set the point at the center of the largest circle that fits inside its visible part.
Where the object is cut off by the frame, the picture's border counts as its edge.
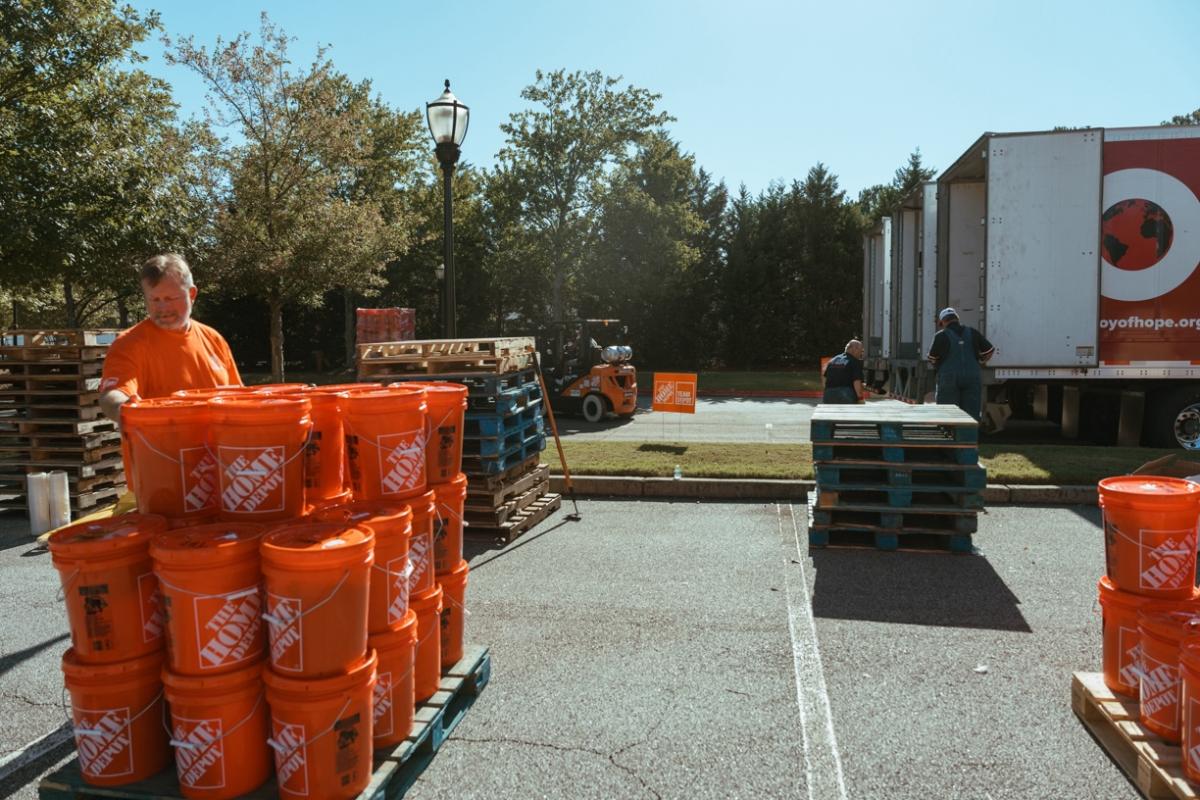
(844, 376)
(956, 353)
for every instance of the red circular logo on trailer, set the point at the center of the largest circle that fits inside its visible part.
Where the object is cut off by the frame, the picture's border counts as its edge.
(1136, 233)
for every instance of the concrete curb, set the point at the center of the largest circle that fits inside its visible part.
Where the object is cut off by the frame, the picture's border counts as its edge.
(739, 489)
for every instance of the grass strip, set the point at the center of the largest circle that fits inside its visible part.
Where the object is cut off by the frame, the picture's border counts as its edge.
(803, 380)
(1012, 464)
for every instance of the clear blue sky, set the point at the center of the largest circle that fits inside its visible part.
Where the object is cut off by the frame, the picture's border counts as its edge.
(762, 89)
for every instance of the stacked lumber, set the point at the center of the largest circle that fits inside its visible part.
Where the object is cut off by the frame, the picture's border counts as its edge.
(50, 416)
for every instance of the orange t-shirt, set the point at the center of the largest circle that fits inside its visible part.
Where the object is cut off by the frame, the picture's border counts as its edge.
(147, 361)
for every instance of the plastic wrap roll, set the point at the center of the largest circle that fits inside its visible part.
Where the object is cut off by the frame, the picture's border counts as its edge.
(38, 498)
(60, 499)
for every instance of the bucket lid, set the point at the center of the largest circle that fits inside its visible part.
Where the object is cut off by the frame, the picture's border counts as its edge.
(364, 512)
(215, 391)
(333, 388)
(445, 391)
(403, 634)
(424, 601)
(74, 669)
(244, 678)
(338, 684)
(315, 543)
(1149, 486)
(106, 536)
(204, 545)
(257, 409)
(423, 505)
(320, 401)
(1172, 625)
(451, 488)
(163, 410)
(280, 388)
(1189, 653)
(382, 401)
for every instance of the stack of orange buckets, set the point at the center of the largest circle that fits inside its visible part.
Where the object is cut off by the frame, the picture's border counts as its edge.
(292, 586)
(1151, 606)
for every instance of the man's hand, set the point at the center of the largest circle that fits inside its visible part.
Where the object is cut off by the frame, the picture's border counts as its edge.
(111, 402)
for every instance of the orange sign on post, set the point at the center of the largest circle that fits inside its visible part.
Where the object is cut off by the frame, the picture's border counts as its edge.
(675, 391)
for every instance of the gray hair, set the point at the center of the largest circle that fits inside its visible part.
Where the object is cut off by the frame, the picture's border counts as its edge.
(851, 343)
(156, 268)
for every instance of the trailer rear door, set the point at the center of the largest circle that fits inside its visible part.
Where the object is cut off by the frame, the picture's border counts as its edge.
(1042, 284)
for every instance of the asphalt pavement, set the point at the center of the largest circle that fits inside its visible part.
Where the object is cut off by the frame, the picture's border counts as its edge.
(717, 419)
(693, 650)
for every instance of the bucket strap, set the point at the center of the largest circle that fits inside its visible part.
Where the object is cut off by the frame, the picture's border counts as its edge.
(236, 594)
(283, 623)
(78, 731)
(1183, 552)
(283, 751)
(189, 746)
(419, 442)
(405, 573)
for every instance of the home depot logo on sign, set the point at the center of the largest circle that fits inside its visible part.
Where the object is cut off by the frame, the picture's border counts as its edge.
(1165, 565)
(675, 391)
(199, 755)
(401, 462)
(252, 479)
(228, 628)
(102, 738)
(198, 478)
(383, 705)
(291, 757)
(285, 627)
(150, 602)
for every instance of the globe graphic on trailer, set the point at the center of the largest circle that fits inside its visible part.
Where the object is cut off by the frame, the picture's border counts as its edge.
(1136, 234)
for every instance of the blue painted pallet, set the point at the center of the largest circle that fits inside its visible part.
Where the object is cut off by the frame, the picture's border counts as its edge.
(396, 768)
(485, 424)
(867, 473)
(918, 498)
(480, 384)
(890, 540)
(506, 402)
(894, 519)
(478, 465)
(926, 455)
(887, 432)
(495, 446)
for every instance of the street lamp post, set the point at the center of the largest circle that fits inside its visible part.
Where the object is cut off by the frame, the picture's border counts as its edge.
(440, 273)
(448, 120)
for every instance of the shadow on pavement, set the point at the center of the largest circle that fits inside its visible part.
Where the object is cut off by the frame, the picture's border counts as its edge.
(957, 591)
(13, 659)
(478, 545)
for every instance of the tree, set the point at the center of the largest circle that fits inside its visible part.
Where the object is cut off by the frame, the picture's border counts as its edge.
(101, 177)
(882, 199)
(297, 213)
(1185, 119)
(557, 157)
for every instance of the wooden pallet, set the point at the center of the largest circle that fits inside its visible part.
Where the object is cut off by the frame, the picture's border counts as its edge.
(81, 501)
(444, 356)
(521, 523)
(56, 370)
(922, 498)
(1154, 766)
(907, 540)
(36, 337)
(396, 768)
(42, 426)
(491, 482)
(483, 384)
(853, 472)
(492, 465)
(893, 423)
(495, 516)
(483, 497)
(926, 455)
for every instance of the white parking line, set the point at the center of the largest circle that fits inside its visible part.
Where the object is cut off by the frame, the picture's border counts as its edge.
(19, 759)
(822, 762)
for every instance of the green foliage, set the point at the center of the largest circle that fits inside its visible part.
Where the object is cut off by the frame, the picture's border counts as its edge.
(1185, 119)
(882, 199)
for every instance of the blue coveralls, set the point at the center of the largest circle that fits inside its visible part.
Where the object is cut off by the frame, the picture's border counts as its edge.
(959, 378)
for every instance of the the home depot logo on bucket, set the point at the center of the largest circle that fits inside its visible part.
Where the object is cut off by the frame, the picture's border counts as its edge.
(252, 479)
(285, 627)
(419, 556)
(150, 602)
(401, 462)
(227, 627)
(198, 477)
(397, 570)
(1129, 659)
(291, 757)
(1164, 562)
(199, 755)
(1159, 686)
(383, 705)
(102, 738)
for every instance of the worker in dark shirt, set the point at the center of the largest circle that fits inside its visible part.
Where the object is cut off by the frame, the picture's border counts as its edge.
(956, 353)
(844, 376)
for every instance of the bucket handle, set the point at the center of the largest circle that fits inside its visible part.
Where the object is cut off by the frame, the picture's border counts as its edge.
(78, 731)
(283, 751)
(418, 446)
(209, 450)
(299, 452)
(189, 746)
(282, 623)
(1185, 551)
(64, 583)
(236, 594)
(407, 573)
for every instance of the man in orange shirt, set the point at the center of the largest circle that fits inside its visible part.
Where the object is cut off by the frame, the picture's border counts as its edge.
(168, 350)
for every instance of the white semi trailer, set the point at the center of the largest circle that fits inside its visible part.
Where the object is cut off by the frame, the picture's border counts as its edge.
(1077, 253)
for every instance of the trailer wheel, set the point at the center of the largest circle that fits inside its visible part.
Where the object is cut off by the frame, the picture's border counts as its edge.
(594, 408)
(1173, 418)
(1187, 427)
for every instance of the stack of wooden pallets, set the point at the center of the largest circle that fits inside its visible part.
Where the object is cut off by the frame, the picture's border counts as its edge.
(50, 416)
(508, 488)
(893, 475)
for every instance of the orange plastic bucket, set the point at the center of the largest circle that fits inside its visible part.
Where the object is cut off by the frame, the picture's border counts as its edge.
(109, 587)
(219, 730)
(325, 455)
(174, 472)
(1189, 706)
(448, 527)
(447, 405)
(341, 388)
(392, 525)
(280, 388)
(321, 732)
(1122, 643)
(211, 583)
(386, 431)
(317, 579)
(394, 702)
(1161, 633)
(117, 710)
(420, 550)
(259, 443)
(1150, 534)
(427, 667)
(454, 609)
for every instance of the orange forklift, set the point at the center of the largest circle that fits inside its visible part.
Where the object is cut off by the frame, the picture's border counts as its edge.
(585, 378)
